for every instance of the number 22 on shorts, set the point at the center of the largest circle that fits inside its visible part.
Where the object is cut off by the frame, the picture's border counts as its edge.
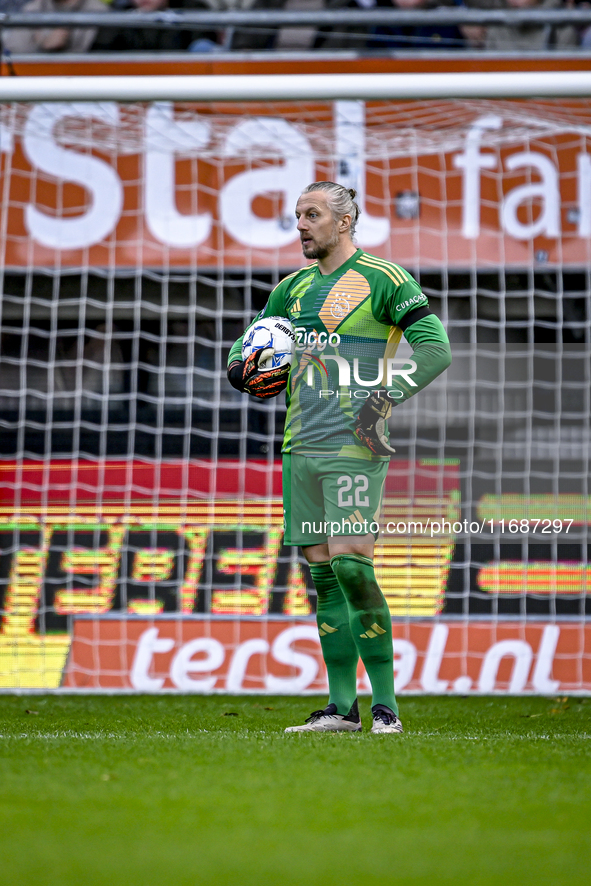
(361, 485)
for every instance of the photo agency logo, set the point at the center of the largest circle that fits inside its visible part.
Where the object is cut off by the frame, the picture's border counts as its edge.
(383, 383)
(336, 378)
(349, 373)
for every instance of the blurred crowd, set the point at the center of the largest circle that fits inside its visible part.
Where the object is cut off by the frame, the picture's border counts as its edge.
(502, 38)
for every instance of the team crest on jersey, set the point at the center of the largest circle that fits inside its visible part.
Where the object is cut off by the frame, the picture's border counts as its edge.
(346, 295)
(340, 306)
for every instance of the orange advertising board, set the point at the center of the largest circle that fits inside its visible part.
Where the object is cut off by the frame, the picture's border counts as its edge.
(283, 656)
(453, 183)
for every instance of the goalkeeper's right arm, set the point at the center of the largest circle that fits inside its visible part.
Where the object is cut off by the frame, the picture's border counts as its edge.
(245, 375)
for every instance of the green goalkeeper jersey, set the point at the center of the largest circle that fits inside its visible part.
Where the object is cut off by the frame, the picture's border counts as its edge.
(348, 325)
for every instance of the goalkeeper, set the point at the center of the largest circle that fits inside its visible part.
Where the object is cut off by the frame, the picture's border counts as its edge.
(349, 310)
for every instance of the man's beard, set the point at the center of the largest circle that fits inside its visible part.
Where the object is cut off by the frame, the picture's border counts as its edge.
(321, 250)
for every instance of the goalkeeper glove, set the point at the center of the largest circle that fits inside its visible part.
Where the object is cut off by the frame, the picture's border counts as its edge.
(245, 375)
(371, 428)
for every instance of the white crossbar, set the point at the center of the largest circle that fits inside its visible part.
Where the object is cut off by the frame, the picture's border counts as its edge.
(298, 87)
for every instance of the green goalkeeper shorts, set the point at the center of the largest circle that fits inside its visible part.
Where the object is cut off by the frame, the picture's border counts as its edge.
(328, 497)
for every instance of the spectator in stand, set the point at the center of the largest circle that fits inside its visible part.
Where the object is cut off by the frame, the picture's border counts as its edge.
(584, 34)
(386, 37)
(416, 36)
(28, 40)
(156, 40)
(254, 39)
(12, 5)
(520, 38)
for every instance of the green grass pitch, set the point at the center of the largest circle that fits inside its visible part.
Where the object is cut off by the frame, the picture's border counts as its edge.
(183, 791)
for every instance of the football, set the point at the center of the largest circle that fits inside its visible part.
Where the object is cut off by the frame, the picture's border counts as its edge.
(271, 332)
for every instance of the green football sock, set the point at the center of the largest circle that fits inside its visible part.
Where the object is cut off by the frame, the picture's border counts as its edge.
(338, 647)
(371, 623)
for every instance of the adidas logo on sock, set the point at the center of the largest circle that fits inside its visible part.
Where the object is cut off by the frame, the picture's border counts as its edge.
(325, 629)
(373, 631)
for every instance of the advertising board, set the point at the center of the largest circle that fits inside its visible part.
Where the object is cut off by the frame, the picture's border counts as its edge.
(140, 539)
(284, 657)
(173, 576)
(446, 183)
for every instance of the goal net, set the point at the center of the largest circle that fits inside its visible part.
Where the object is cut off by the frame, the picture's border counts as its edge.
(141, 516)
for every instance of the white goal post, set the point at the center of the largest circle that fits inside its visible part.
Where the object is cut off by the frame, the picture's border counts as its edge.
(298, 87)
(143, 223)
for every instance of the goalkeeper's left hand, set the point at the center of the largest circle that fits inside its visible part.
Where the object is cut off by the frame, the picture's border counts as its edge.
(371, 428)
(245, 375)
